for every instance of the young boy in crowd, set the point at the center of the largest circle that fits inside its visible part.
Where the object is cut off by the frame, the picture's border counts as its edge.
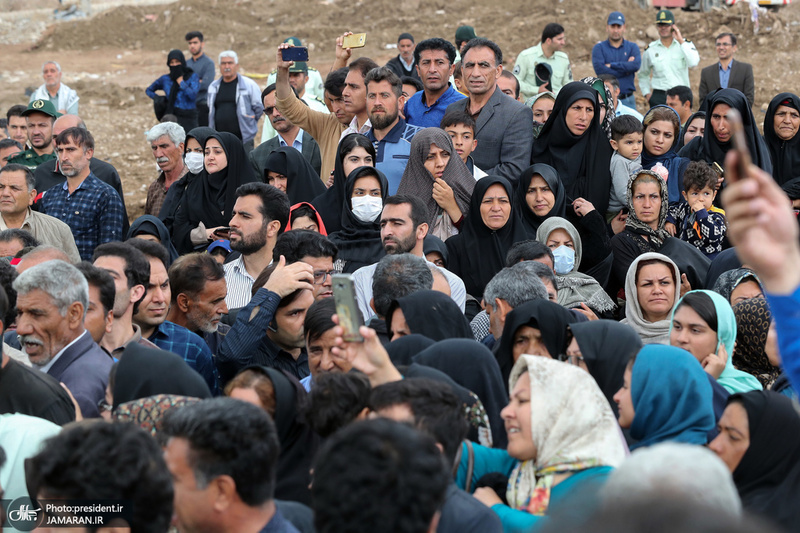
(626, 140)
(696, 220)
(461, 128)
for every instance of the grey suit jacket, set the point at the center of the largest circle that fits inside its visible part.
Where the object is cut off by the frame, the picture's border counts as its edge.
(741, 79)
(84, 369)
(258, 157)
(504, 131)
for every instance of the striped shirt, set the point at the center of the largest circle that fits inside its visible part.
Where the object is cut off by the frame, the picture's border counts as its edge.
(240, 283)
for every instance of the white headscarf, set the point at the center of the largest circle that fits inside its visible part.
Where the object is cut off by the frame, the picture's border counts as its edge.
(572, 427)
(650, 332)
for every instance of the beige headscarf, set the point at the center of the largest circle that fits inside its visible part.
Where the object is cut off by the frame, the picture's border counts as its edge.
(650, 332)
(572, 428)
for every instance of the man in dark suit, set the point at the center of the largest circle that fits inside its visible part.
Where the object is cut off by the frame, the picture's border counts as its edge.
(288, 135)
(52, 299)
(727, 73)
(502, 125)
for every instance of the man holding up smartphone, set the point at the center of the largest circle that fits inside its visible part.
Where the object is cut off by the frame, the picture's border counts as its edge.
(668, 60)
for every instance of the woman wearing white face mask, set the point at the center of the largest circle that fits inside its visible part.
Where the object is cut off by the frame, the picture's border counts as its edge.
(575, 290)
(359, 240)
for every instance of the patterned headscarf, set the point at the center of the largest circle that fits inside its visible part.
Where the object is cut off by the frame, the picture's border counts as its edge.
(572, 427)
(753, 319)
(660, 235)
(608, 101)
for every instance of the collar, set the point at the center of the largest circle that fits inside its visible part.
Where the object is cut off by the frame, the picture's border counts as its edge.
(135, 338)
(364, 129)
(49, 365)
(297, 140)
(407, 65)
(445, 93)
(394, 135)
(65, 185)
(730, 66)
(26, 222)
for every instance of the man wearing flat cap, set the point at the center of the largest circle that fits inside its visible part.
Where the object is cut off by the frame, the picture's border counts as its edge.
(404, 64)
(39, 116)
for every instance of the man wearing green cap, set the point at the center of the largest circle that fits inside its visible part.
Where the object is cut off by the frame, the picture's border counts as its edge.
(548, 51)
(668, 60)
(39, 116)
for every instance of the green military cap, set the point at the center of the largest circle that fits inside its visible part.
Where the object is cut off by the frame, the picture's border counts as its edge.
(294, 41)
(299, 66)
(41, 106)
(465, 33)
(664, 16)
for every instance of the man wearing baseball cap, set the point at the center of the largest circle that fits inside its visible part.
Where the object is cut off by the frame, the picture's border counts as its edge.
(619, 58)
(39, 116)
(668, 60)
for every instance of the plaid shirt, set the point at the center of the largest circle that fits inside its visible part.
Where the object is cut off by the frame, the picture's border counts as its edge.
(94, 212)
(179, 340)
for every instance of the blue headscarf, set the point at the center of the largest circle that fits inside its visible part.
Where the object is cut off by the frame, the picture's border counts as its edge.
(672, 397)
(731, 379)
(675, 164)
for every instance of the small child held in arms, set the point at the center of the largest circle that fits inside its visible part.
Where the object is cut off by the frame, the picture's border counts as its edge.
(697, 221)
(626, 140)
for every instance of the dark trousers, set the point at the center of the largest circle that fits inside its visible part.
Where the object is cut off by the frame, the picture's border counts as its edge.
(202, 114)
(658, 98)
(187, 119)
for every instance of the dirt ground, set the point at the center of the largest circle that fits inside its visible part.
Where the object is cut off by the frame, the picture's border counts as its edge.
(111, 57)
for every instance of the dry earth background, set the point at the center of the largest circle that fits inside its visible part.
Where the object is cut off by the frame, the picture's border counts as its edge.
(111, 57)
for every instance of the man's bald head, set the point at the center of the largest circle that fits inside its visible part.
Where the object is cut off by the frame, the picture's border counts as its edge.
(39, 255)
(67, 121)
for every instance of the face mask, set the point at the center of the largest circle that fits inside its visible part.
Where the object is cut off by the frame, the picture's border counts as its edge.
(564, 260)
(194, 162)
(367, 208)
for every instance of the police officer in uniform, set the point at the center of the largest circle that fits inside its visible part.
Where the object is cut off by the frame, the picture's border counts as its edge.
(668, 60)
(40, 116)
(549, 52)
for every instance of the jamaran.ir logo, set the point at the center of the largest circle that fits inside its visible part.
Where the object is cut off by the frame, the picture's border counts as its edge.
(24, 515)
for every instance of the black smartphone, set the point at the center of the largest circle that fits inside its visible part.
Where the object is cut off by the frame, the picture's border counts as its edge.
(294, 53)
(222, 232)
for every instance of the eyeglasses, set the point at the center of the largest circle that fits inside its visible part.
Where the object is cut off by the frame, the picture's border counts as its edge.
(575, 360)
(268, 110)
(321, 275)
(724, 45)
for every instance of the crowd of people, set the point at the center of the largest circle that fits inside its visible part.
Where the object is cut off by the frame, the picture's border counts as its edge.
(576, 317)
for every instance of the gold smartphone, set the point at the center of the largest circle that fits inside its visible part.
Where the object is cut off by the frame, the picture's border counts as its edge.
(356, 40)
(344, 294)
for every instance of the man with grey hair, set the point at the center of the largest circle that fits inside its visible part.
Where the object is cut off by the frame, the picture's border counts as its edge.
(234, 101)
(395, 276)
(508, 289)
(52, 299)
(62, 97)
(668, 470)
(166, 141)
(17, 192)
